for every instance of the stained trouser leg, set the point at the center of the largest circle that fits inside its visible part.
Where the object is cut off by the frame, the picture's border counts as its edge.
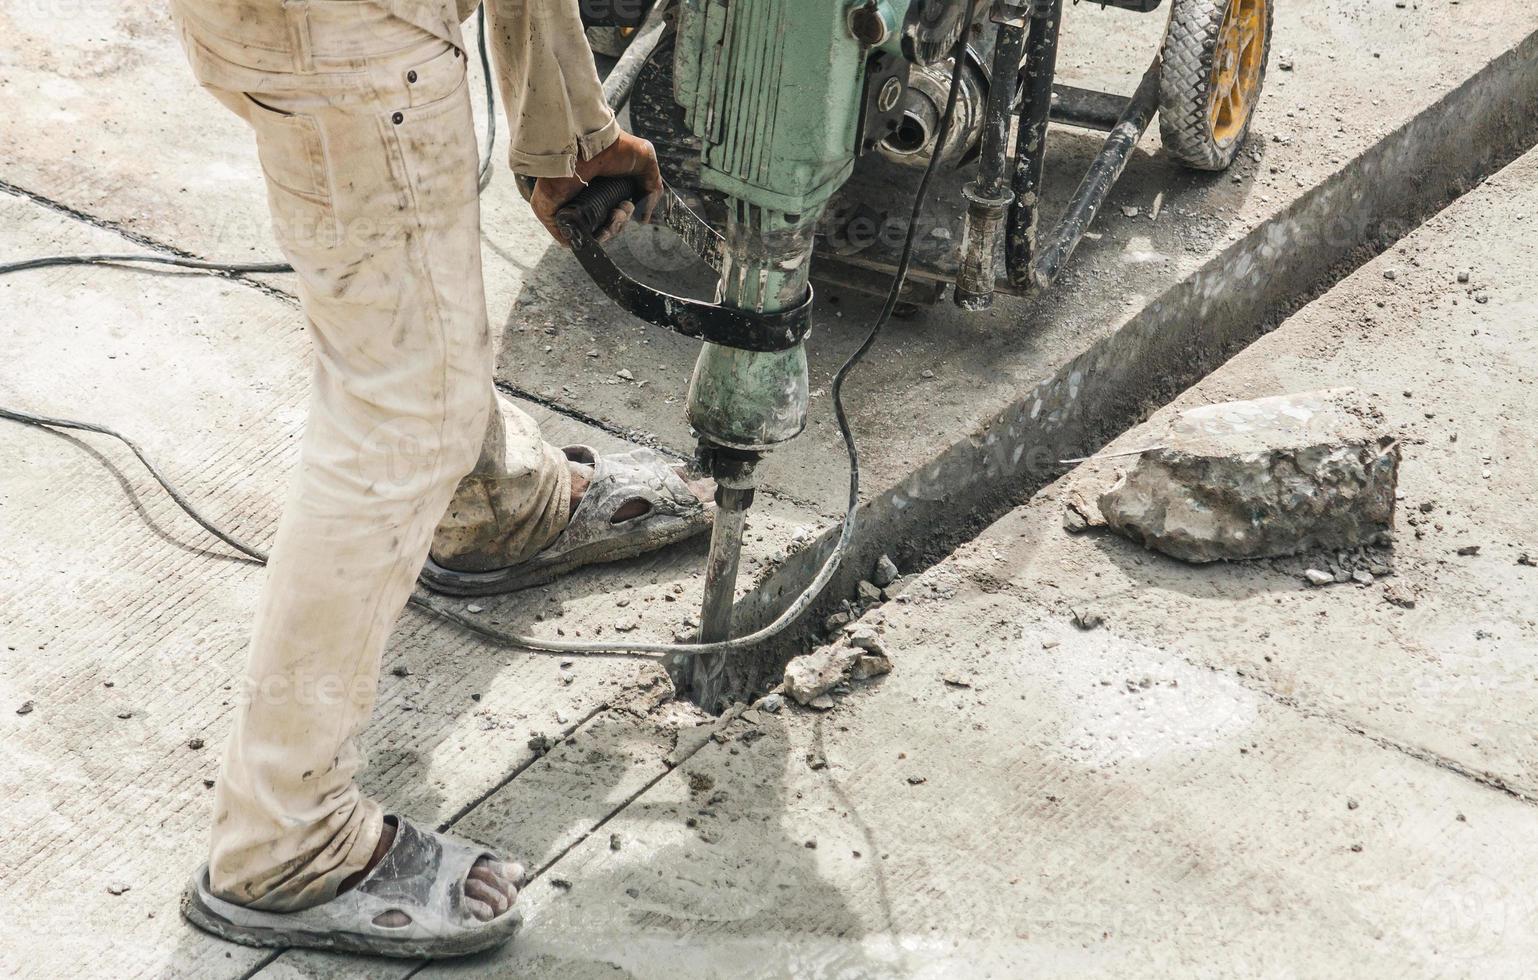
(373, 197)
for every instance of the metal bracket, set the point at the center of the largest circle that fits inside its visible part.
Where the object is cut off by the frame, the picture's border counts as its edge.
(724, 325)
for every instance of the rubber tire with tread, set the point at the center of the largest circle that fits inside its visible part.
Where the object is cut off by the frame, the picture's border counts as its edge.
(1185, 84)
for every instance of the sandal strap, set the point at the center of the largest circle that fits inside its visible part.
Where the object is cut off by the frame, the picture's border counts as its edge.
(425, 869)
(422, 874)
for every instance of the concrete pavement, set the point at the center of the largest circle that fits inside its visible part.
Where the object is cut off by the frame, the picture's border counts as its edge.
(1238, 774)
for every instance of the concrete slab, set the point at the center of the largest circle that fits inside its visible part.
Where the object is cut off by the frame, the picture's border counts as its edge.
(1234, 775)
(1451, 365)
(125, 627)
(1052, 817)
(197, 192)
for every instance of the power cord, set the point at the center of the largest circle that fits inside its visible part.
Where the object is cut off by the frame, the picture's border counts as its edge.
(422, 600)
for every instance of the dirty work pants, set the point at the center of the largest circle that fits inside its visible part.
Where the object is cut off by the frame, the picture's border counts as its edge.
(364, 132)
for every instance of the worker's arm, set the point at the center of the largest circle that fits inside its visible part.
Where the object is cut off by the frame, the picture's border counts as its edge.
(563, 132)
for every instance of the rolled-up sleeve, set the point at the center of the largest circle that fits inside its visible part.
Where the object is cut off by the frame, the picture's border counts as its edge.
(550, 89)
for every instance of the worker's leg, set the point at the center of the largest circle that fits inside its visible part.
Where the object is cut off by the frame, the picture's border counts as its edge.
(368, 146)
(515, 501)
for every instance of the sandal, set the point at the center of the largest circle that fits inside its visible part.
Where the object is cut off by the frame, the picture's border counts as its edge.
(673, 514)
(421, 878)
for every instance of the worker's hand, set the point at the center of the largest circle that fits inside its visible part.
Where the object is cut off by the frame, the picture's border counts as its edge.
(628, 156)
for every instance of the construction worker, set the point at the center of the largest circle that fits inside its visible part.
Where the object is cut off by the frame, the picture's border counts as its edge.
(363, 126)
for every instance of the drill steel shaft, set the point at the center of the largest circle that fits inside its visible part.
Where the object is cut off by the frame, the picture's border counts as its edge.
(721, 568)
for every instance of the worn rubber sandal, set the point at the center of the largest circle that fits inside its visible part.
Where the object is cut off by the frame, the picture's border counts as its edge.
(593, 536)
(422, 877)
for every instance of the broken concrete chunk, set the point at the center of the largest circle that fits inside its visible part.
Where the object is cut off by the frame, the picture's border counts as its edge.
(1260, 479)
(871, 665)
(815, 673)
(869, 592)
(865, 639)
(1316, 577)
(885, 572)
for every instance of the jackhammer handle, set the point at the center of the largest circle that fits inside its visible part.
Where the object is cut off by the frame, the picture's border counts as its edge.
(591, 208)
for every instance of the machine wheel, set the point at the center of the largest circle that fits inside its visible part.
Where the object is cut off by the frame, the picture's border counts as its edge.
(1214, 54)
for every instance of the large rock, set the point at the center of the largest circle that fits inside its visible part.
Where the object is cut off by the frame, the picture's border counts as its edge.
(1262, 478)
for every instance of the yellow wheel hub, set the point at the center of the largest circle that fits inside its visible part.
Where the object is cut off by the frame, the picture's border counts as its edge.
(1236, 68)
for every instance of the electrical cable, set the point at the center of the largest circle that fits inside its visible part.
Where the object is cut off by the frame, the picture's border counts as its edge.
(618, 648)
(491, 102)
(247, 268)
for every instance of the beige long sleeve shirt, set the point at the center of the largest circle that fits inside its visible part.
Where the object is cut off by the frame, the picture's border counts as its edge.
(550, 90)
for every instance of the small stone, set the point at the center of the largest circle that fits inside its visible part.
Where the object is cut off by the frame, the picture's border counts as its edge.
(1463, 275)
(1396, 596)
(118, 888)
(194, 743)
(1528, 560)
(1049, 643)
(1130, 211)
(1342, 575)
(541, 744)
(868, 592)
(633, 892)
(926, 374)
(624, 374)
(1362, 577)
(1088, 620)
(871, 665)
(916, 780)
(208, 784)
(885, 572)
(836, 622)
(811, 675)
(816, 761)
(772, 703)
(1481, 298)
(1379, 570)
(1468, 550)
(592, 353)
(956, 680)
(810, 845)
(1352, 804)
(125, 714)
(473, 608)
(865, 638)
(26, 707)
(1356, 848)
(401, 670)
(1318, 577)
(1390, 275)
(1284, 61)
(821, 702)
(566, 676)
(561, 883)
